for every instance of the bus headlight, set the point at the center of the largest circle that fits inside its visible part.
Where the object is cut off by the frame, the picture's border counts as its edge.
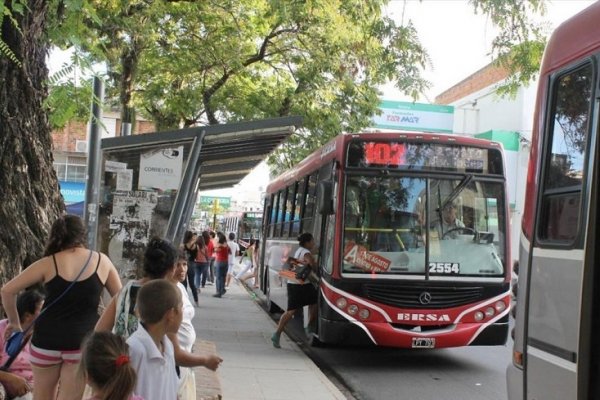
(500, 306)
(489, 312)
(341, 303)
(352, 309)
(478, 316)
(364, 313)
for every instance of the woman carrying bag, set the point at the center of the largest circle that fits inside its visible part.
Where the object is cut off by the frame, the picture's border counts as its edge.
(75, 277)
(300, 293)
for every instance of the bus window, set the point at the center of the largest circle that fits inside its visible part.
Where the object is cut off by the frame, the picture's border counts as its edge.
(381, 220)
(563, 181)
(290, 208)
(274, 215)
(309, 206)
(464, 221)
(297, 216)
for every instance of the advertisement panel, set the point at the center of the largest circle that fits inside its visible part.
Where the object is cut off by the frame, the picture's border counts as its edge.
(409, 116)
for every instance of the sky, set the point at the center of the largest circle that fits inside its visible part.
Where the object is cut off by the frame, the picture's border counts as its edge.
(459, 41)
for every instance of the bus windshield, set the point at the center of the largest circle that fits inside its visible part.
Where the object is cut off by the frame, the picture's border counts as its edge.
(389, 221)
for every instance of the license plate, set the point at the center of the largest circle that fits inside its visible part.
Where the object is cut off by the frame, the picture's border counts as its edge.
(423, 343)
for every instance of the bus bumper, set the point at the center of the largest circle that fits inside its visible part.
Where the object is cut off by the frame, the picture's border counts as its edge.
(382, 334)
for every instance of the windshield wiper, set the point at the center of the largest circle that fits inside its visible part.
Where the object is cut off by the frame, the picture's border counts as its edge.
(459, 188)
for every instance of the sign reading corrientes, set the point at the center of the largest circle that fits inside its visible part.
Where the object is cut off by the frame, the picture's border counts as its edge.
(206, 202)
(414, 116)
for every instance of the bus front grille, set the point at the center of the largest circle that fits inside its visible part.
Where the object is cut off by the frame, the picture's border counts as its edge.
(422, 297)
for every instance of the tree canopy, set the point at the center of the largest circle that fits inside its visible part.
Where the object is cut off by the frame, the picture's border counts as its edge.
(184, 63)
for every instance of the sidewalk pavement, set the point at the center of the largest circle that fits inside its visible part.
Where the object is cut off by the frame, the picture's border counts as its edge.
(252, 368)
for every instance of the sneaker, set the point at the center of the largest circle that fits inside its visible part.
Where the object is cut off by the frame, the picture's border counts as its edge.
(209, 283)
(224, 291)
(275, 339)
(216, 295)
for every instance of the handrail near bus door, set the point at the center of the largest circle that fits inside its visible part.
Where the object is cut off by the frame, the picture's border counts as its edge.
(183, 194)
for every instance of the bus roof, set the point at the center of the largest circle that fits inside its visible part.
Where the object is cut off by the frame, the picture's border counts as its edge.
(335, 148)
(574, 38)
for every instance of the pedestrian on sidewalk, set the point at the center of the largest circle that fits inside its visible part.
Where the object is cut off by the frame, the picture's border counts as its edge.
(299, 294)
(191, 249)
(209, 241)
(119, 316)
(222, 251)
(75, 277)
(253, 255)
(185, 339)
(234, 251)
(201, 264)
(246, 260)
(107, 367)
(160, 308)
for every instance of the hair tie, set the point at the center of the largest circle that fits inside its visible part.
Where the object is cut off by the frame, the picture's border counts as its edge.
(122, 360)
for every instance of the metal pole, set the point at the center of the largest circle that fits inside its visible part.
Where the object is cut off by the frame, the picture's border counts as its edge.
(186, 185)
(92, 188)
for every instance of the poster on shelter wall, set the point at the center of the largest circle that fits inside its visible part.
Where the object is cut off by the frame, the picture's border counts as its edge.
(161, 169)
(131, 221)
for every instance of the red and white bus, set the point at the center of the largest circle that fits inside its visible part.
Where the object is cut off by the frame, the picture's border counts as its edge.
(394, 271)
(557, 329)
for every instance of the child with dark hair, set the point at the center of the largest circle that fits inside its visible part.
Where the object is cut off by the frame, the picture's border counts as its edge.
(159, 263)
(160, 309)
(106, 365)
(18, 379)
(185, 338)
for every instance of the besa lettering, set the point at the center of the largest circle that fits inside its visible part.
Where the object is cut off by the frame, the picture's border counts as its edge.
(423, 317)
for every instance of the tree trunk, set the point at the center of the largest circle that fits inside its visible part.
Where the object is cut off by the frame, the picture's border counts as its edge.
(29, 197)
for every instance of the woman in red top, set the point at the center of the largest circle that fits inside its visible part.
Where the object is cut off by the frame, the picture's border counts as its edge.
(222, 251)
(210, 249)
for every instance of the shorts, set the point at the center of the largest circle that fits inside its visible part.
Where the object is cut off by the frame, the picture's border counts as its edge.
(48, 358)
(300, 295)
(230, 268)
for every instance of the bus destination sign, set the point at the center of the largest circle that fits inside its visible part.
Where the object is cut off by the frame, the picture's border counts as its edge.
(423, 156)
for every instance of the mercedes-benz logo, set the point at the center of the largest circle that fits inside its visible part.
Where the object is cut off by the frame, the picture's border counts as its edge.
(425, 298)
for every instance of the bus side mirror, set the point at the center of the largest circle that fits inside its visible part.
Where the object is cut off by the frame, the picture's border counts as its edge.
(325, 197)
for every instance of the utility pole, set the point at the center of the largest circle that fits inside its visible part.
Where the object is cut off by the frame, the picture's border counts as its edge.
(215, 209)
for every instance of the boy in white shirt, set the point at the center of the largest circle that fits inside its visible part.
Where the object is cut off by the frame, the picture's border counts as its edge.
(160, 310)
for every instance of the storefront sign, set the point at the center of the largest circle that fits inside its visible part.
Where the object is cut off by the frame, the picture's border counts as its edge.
(414, 117)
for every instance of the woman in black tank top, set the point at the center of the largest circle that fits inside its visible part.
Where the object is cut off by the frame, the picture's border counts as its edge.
(62, 325)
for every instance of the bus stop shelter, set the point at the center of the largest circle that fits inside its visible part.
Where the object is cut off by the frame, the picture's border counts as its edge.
(149, 182)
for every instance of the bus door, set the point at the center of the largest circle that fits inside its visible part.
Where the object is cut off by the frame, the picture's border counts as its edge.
(559, 289)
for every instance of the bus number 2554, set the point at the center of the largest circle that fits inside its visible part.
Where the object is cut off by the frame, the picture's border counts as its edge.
(444, 268)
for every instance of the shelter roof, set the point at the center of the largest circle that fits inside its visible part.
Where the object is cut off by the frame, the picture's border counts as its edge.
(228, 151)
